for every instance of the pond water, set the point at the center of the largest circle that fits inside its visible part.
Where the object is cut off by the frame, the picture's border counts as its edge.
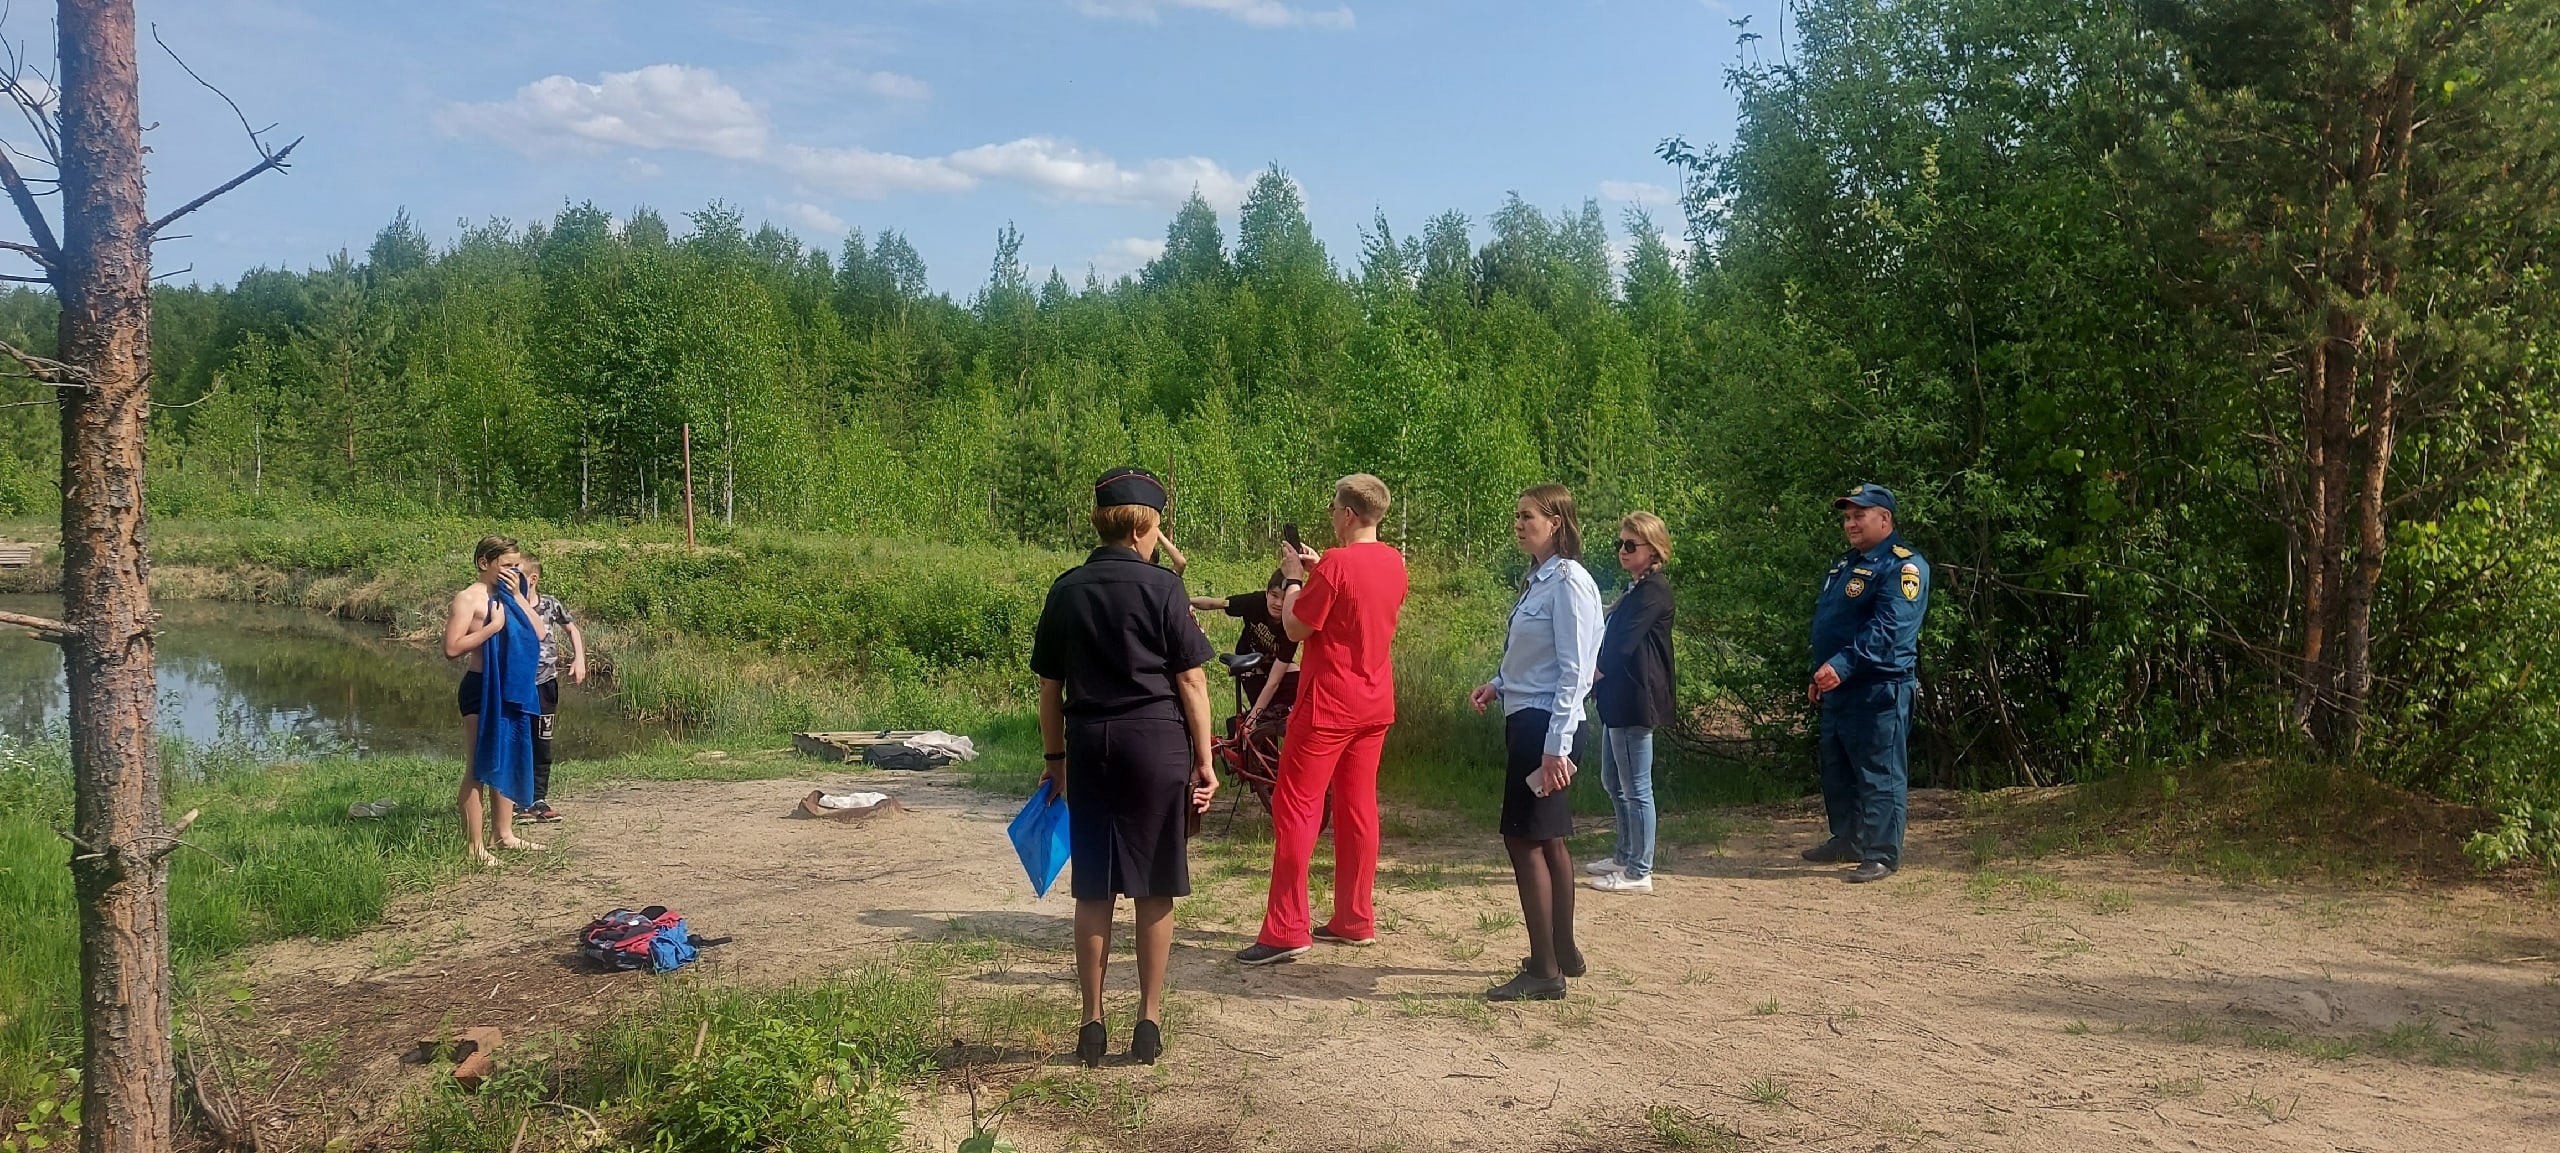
(276, 678)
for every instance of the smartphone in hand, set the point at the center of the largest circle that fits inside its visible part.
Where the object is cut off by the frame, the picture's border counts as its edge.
(1289, 533)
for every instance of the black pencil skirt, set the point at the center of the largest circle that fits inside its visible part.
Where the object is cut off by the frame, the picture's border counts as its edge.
(1524, 813)
(1128, 786)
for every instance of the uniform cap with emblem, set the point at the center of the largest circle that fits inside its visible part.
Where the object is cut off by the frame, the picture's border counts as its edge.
(1868, 496)
(1129, 486)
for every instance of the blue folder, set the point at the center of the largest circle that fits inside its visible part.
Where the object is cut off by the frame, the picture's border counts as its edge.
(1039, 835)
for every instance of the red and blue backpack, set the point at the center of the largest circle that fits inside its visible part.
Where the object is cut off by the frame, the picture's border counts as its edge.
(628, 939)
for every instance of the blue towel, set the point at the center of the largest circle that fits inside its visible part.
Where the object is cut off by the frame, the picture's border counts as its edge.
(671, 949)
(502, 756)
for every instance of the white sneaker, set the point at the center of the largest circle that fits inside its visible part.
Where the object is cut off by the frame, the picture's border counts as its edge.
(1622, 883)
(1604, 866)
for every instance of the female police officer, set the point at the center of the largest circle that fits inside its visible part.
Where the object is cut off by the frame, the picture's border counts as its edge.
(1124, 720)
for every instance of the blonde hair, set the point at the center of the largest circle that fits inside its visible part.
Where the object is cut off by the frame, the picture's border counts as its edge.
(1649, 529)
(1363, 496)
(1556, 501)
(1124, 523)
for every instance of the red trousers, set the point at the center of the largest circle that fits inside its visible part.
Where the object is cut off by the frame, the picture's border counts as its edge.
(1313, 760)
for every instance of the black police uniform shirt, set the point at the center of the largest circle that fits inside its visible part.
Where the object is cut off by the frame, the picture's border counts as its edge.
(1264, 634)
(1866, 623)
(1115, 632)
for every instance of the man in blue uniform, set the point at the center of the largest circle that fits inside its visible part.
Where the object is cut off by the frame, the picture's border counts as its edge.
(1866, 651)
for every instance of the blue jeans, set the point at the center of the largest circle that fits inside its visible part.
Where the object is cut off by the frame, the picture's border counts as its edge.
(1626, 772)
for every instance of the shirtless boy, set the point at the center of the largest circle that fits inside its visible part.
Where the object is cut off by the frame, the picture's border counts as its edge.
(476, 617)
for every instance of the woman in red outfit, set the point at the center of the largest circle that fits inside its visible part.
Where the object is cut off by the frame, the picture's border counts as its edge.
(1342, 607)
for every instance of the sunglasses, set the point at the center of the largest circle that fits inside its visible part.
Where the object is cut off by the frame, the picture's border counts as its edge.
(1630, 545)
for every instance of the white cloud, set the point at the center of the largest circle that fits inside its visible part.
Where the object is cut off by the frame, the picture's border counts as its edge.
(1635, 192)
(643, 169)
(860, 172)
(1059, 167)
(680, 108)
(810, 217)
(1124, 256)
(1257, 13)
(662, 106)
(894, 86)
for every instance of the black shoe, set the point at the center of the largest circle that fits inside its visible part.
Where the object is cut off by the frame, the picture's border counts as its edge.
(1828, 852)
(1146, 1043)
(1091, 1042)
(540, 813)
(1527, 988)
(1870, 871)
(1571, 966)
(1261, 954)
(1328, 936)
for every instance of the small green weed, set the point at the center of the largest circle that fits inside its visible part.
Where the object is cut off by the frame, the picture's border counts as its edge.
(1675, 1128)
(1768, 1008)
(1767, 1091)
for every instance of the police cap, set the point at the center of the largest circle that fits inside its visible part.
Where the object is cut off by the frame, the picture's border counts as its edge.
(1868, 496)
(1129, 486)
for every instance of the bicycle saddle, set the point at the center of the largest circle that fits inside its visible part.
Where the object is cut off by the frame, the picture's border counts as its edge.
(1240, 662)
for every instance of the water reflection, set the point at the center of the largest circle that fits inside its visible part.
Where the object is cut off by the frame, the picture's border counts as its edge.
(278, 678)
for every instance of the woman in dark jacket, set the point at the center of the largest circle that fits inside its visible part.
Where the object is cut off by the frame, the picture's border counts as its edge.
(1124, 722)
(1634, 688)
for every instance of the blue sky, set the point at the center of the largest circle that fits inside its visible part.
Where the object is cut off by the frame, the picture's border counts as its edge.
(1083, 121)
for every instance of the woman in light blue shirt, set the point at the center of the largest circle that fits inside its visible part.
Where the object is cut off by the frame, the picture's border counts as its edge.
(1547, 661)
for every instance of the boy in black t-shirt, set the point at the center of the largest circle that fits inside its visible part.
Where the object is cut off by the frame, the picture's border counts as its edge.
(1274, 687)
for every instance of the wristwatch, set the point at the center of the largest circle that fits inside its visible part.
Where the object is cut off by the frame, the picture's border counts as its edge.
(1288, 583)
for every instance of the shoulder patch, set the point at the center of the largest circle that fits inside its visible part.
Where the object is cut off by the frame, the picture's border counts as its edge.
(1910, 567)
(1900, 551)
(1910, 583)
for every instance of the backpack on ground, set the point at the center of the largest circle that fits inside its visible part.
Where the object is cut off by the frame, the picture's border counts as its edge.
(651, 938)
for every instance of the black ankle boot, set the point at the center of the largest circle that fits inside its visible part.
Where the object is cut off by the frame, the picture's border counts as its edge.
(1091, 1041)
(1146, 1043)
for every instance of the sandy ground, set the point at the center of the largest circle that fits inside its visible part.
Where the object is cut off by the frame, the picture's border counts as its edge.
(1753, 1001)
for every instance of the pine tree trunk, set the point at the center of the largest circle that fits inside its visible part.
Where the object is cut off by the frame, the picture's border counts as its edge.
(119, 867)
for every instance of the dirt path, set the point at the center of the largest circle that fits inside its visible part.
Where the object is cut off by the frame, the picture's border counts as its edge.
(1752, 1002)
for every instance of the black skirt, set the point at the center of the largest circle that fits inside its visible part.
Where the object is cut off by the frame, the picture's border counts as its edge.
(1128, 789)
(1524, 813)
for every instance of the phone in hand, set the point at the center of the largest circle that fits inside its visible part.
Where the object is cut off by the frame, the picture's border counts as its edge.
(1289, 533)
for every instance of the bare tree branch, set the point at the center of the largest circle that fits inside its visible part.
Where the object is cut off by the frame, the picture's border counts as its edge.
(174, 272)
(37, 227)
(275, 160)
(30, 251)
(44, 627)
(45, 369)
(254, 133)
(38, 110)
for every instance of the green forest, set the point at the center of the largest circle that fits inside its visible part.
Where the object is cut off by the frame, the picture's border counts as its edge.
(2211, 347)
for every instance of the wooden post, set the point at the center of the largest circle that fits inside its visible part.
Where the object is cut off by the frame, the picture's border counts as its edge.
(688, 488)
